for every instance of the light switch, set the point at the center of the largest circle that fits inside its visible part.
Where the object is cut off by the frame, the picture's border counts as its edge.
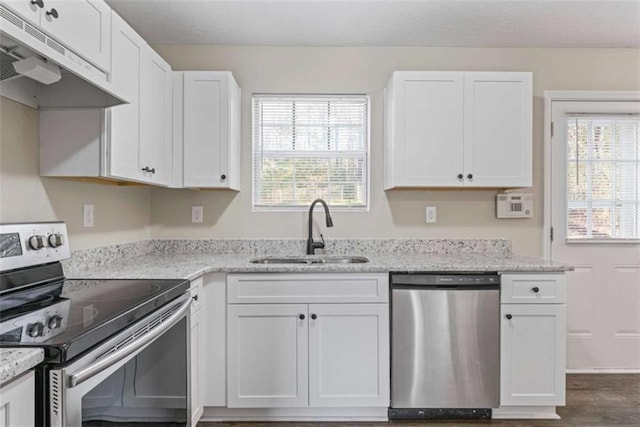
(197, 214)
(87, 215)
(431, 215)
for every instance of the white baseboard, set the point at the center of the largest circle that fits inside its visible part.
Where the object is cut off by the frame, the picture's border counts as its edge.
(295, 414)
(602, 371)
(525, 412)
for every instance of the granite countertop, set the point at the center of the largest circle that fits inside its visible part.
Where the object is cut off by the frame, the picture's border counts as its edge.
(15, 361)
(191, 266)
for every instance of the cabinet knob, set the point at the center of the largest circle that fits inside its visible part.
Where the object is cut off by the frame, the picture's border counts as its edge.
(508, 316)
(301, 317)
(147, 169)
(535, 289)
(195, 297)
(460, 176)
(470, 176)
(52, 13)
(38, 3)
(223, 177)
(314, 316)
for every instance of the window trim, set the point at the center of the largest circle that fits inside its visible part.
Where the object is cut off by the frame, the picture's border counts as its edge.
(367, 196)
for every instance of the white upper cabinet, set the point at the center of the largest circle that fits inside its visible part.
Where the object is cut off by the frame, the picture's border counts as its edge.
(209, 113)
(498, 129)
(458, 129)
(129, 142)
(155, 119)
(423, 132)
(124, 120)
(81, 25)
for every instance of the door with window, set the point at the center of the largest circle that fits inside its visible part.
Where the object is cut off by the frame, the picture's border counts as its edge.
(595, 215)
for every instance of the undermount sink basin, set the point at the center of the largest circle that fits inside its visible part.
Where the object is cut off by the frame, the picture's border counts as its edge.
(312, 261)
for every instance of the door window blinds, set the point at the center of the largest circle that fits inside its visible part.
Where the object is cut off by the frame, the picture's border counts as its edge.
(307, 147)
(603, 178)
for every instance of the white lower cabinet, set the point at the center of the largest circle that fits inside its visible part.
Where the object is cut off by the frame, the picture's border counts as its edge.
(196, 356)
(533, 341)
(17, 402)
(307, 355)
(348, 355)
(533, 354)
(267, 355)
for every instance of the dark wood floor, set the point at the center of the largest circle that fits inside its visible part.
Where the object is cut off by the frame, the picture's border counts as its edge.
(601, 400)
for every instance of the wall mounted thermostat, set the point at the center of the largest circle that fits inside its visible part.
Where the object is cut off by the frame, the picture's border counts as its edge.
(514, 205)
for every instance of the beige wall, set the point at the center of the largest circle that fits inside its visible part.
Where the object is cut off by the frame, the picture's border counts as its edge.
(366, 70)
(121, 214)
(129, 214)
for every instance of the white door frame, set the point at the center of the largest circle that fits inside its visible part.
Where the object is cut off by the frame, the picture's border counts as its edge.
(567, 95)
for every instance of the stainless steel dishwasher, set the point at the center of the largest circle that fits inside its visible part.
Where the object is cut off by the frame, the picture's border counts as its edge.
(445, 345)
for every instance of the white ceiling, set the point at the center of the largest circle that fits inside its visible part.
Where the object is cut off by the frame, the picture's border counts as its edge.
(475, 23)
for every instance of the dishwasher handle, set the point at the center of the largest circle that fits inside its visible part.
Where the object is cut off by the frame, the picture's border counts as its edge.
(446, 281)
(429, 288)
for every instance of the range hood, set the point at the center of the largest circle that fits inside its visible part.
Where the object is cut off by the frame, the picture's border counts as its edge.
(80, 85)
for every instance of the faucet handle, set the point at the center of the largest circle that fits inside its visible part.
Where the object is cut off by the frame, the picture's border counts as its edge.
(322, 243)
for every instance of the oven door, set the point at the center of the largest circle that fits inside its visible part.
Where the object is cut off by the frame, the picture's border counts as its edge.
(139, 375)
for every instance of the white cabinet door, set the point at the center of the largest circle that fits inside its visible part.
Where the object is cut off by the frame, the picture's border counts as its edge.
(211, 136)
(27, 9)
(155, 118)
(348, 355)
(82, 25)
(17, 402)
(498, 129)
(532, 354)
(424, 129)
(196, 363)
(123, 139)
(267, 356)
(213, 298)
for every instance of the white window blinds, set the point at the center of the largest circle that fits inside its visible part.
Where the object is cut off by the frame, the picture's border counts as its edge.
(307, 147)
(603, 178)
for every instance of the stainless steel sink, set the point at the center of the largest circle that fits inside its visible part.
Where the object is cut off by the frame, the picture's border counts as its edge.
(312, 261)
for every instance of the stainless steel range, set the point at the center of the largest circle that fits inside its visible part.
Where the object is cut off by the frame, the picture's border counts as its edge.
(116, 351)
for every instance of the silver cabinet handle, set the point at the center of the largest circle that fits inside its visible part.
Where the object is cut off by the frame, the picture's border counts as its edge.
(135, 346)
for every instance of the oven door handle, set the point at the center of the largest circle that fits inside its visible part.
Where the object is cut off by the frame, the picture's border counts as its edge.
(135, 346)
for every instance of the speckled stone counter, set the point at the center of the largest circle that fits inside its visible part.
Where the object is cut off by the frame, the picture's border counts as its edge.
(15, 361)
(191, 266)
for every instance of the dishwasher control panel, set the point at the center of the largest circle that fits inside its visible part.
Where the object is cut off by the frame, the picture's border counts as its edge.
(438, 279)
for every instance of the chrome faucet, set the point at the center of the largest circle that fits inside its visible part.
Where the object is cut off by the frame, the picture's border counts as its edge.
(311, 245)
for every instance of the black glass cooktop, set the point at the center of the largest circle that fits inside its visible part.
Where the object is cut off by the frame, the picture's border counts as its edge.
(101, 308)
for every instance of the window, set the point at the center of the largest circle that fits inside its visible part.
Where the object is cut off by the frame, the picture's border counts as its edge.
(603, 178)
(307, 147)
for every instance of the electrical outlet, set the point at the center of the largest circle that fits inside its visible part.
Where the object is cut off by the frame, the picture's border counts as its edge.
(197, 214)
(431, 214)
(87, 215)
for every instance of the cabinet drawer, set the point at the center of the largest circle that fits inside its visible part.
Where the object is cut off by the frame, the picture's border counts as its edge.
(307, 288)
(534, 288)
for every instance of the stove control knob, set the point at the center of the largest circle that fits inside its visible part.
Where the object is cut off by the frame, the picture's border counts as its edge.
(36, 242)
(56, 240)
(54, 321)
(35, 329)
